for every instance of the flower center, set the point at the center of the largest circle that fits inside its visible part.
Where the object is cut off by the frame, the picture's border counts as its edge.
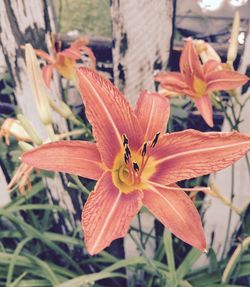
(131, 166)
(199, 87)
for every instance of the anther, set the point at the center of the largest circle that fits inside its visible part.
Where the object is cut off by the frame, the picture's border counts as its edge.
(155, 140)
(125, 140)
(126, 158)
(144, 149)
(127, 151)
(136, 166)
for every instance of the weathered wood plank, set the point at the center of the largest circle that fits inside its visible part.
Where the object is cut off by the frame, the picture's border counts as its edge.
(141, 42)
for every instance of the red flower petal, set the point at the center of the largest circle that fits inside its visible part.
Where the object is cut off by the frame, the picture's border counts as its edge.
(188, 154)
(177, 212)
(109, 113)
(152, 111)
(204, 106)
(76, 157)
(107, 214)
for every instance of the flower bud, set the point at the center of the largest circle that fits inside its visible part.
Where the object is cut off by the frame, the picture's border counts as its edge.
(233, 46)
(37, 85)
(61, 108)
(29, 128)
(25, 146)
(206, 51)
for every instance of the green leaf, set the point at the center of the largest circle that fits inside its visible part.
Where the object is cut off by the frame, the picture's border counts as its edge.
(187, 263)
(234, 259)
(13, 260)
(168, 244)
(89, 279)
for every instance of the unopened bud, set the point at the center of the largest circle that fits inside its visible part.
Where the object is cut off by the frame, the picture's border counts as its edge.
(25, 146)
(38, 87)
(206, 51)
(233, 46)
(61, 108)
(30, 129)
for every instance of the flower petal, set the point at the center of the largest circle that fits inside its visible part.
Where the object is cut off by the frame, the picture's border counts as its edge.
(190, 64)
(152, 111)
(76, 157)
(204, 106)
(211, 66)
(176, 211)
(225, 80)
(107, 214)
(47, 72)
(174, 82)
(66, 66)
(109, 113)
(45, 56)
(188, 154)
(171, 78)
(71, 53)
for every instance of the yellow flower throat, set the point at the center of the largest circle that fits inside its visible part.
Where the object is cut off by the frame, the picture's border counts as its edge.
(132, 168)
(199, 87)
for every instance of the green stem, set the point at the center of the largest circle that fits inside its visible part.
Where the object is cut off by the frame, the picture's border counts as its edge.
(230, 214)
(51, 132)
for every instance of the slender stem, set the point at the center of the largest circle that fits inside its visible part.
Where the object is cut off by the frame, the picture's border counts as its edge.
(230, 214)
(71, 133)
(150, 263)
(51, 132)
(79, 184)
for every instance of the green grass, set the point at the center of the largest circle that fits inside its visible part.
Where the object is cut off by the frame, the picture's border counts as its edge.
(89, 17)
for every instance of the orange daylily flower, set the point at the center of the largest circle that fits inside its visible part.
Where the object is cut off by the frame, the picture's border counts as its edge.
(13, 127)
(64, 61)
(197, 80)
(136, 164)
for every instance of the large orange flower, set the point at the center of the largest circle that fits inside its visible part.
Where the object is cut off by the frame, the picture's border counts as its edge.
(136, 164)
(198, 81)
(64, 61)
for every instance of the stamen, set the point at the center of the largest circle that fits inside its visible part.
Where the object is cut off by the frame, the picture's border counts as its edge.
(136, 167)
(126, 158)
(155, 140)
(125, 140)
(197, 188)
(144, 149)
(127, 151)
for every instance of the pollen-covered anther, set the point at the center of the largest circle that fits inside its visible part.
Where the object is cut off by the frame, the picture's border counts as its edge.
(125, 140)
(155, 140)
(127, 151)
(136, 166)
(144, 149)
(126, 158)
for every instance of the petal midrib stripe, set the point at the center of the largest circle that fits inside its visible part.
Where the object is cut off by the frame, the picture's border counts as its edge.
(107, 221)
(106, 110)
(169, 203)
(159, 161)
(150, 120)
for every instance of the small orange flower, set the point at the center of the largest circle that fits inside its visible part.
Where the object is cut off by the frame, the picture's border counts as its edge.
(197, 80)
(64, 61)
(136, 164)
(21, 178)
(14, 128)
